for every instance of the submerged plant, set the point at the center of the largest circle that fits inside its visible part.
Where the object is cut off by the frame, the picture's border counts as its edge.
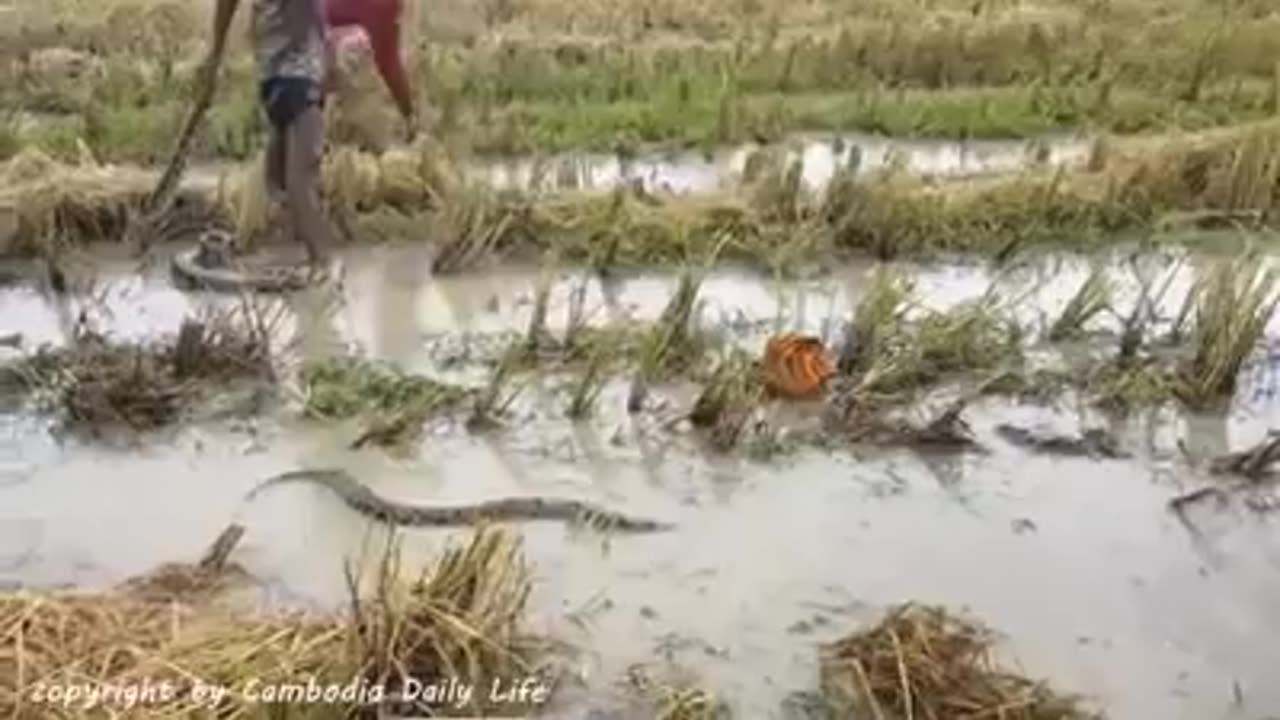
(1121, 386)
(497, 396)
(345, 387)
(1232, 301)
(590, 385)
(671, 343)
(672, 696)
(972, 335)
(537, 334)
(473, 225)
(1092, 299)
(876, 319)
(728, 398)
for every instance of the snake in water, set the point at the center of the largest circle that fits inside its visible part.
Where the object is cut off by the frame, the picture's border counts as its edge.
(369, 503)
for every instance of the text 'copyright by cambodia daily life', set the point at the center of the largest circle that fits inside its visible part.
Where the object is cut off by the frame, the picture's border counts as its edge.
(514, 693)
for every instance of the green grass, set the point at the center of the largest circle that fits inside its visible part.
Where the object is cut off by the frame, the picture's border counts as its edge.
(129, 132)
(515, 85)
(344, 388)
(1232, 302)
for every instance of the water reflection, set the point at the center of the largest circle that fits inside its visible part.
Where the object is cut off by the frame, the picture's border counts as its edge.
(694, 172)
(700, 172)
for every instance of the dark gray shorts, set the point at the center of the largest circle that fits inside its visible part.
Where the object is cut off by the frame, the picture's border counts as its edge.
(284, 99)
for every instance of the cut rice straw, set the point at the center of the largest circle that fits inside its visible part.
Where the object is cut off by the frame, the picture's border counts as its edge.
(462, 616)
(921, 662)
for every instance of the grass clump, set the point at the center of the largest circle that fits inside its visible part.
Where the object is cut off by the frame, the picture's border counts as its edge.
(492, 402)
(1232, 301)
(1092, 299)
(588, 388)
(970, 336)
(1123, 386)
(876, 320)
(460, 617)
(473, 226)
(922, 662)
(50, 204)
(343, 388)
(674, 343)
(97, 383)
(889, 351)
(392, 404)
(728, 398)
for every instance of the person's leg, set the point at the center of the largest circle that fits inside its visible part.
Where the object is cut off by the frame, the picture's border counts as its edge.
(304, 155)
(274, 97)
(274, 164)
(274, 103)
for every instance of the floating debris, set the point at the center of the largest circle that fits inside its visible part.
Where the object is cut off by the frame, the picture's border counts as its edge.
(1092, 442)
(675, 696)
(797, 367)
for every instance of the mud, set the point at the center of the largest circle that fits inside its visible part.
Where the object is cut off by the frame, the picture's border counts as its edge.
(1098, 587)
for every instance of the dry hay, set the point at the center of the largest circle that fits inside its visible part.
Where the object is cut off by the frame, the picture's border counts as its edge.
(43, 200)
(1216, 171)
(921, 662)
(1221, 177)
(406, 179)
(45, 203)
(460, 619)
(770, 218)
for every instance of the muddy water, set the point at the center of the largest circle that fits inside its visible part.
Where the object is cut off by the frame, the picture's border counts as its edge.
(697, 172)
(1106, 593)
(822, 156)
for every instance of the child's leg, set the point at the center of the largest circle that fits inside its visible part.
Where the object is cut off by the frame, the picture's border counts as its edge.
(304, 155)
(274, 164)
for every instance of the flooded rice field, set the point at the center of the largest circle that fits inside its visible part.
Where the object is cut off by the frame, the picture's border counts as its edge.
(701, 172)
(688, 172)
(1097, 586)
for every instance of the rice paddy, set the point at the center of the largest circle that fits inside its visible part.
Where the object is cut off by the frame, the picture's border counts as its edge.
(542, 76)
(1021, 254)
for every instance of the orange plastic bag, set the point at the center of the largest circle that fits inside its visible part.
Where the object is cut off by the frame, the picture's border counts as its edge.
(797, 367)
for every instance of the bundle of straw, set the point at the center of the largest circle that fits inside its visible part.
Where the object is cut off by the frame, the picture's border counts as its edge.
(921, 662)
(460, 619)
(43, 200)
